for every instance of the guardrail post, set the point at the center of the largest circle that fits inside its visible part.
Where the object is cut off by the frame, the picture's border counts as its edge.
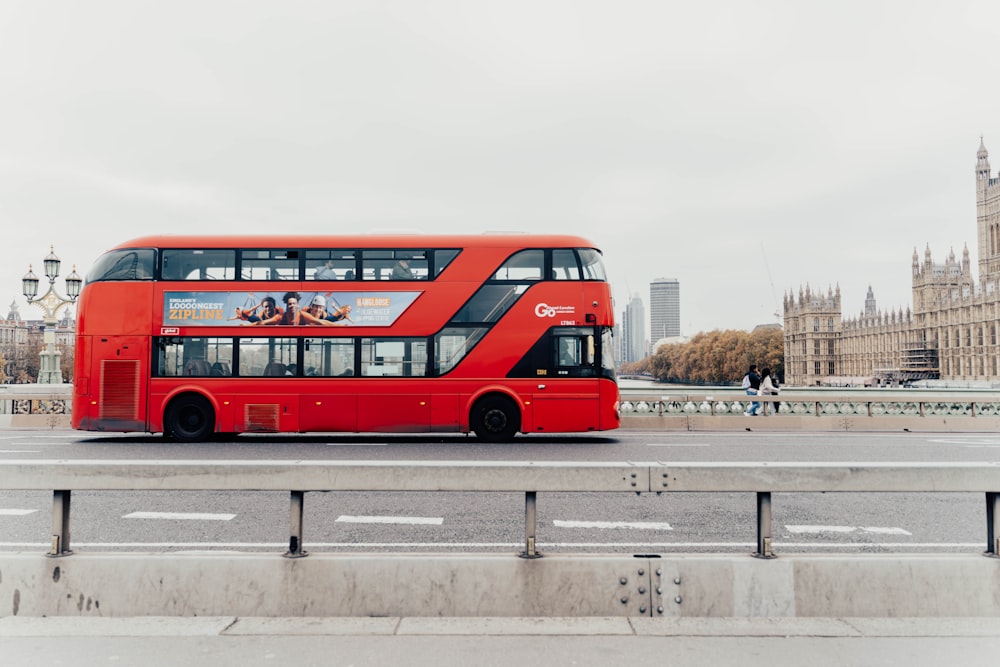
(764, 525)
(60, 524)
(295, 549)
(529, 526)
(992, 524)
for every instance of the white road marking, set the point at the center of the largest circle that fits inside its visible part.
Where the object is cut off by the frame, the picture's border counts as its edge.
(640, 525)
(678, 444)
(19, 451)
(188, 516)
(798, 530)
(357, 444)
(396, 520)
(815, 530)
(967, 439)
(878, 530)
(13, 512)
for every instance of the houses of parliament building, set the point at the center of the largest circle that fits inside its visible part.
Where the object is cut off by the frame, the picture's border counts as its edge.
(950, 333)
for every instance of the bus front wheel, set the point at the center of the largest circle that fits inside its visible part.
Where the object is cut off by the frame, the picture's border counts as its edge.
(495, 419)
(190, 418)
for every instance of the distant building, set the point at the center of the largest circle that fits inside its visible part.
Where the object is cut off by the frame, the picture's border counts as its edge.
(13, 330)
(634, 324)
(619, 343)
(949, 334)
(17, 335)
(664, 308)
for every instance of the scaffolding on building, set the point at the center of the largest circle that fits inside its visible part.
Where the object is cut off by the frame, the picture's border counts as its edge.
(918, 362)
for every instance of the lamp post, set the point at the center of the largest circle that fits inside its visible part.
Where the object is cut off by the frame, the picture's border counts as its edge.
(50, 302)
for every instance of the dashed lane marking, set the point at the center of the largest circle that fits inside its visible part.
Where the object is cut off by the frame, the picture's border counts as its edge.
(968, 441)
(186, 516)
(877, 530)
(395, 520)
(635, 525)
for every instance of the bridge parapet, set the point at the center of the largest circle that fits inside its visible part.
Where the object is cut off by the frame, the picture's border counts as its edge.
(360, 584)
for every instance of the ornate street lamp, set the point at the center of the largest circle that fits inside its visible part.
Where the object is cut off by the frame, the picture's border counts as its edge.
(50, 303)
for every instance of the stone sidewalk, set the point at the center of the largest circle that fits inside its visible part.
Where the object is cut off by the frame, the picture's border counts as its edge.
(459, 642)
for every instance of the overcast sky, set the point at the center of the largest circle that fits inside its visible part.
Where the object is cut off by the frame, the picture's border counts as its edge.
(744, 148)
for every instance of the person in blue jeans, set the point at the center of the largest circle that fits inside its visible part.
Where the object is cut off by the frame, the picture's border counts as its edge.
(751, 383)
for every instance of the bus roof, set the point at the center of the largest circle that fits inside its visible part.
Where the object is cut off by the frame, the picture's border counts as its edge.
(489, 240)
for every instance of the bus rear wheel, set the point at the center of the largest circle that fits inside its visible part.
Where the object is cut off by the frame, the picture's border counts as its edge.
(495, 419)
(190, 418)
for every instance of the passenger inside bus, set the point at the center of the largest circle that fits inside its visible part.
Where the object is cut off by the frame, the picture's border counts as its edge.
(274, 369)
(326, 272)
(197, 368)
(220, 369)
(402, 270)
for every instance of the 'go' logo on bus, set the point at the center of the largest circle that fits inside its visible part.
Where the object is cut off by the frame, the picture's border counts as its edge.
(545, 310)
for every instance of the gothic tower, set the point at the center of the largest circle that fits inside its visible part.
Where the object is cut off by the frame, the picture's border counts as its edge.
(987, 217)
(871, 309)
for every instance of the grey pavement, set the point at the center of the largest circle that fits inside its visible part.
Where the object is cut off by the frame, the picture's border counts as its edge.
(448, 642)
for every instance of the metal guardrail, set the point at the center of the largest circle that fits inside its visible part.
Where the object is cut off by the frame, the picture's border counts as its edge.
(886, 403)
(300, 477)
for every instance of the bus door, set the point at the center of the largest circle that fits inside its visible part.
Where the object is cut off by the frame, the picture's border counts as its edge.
(566, 396)
(329, 400)
(119, 389)
(393, 396)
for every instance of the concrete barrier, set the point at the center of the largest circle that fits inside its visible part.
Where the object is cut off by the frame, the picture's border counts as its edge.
(366, 585)
(370, 584)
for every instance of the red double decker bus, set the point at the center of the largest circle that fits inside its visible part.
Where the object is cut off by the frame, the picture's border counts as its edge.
(493, 334)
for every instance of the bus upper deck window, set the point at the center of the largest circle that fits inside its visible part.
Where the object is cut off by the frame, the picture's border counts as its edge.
(334, 264)
(593, 266)
(125, 264)
(269, 265)
(198, 264)
(384, 264)
(523, 265)
(564, 266)
(443, 258)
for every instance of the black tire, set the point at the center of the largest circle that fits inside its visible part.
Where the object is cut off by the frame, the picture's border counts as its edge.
(190, 418)
(495, 419)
